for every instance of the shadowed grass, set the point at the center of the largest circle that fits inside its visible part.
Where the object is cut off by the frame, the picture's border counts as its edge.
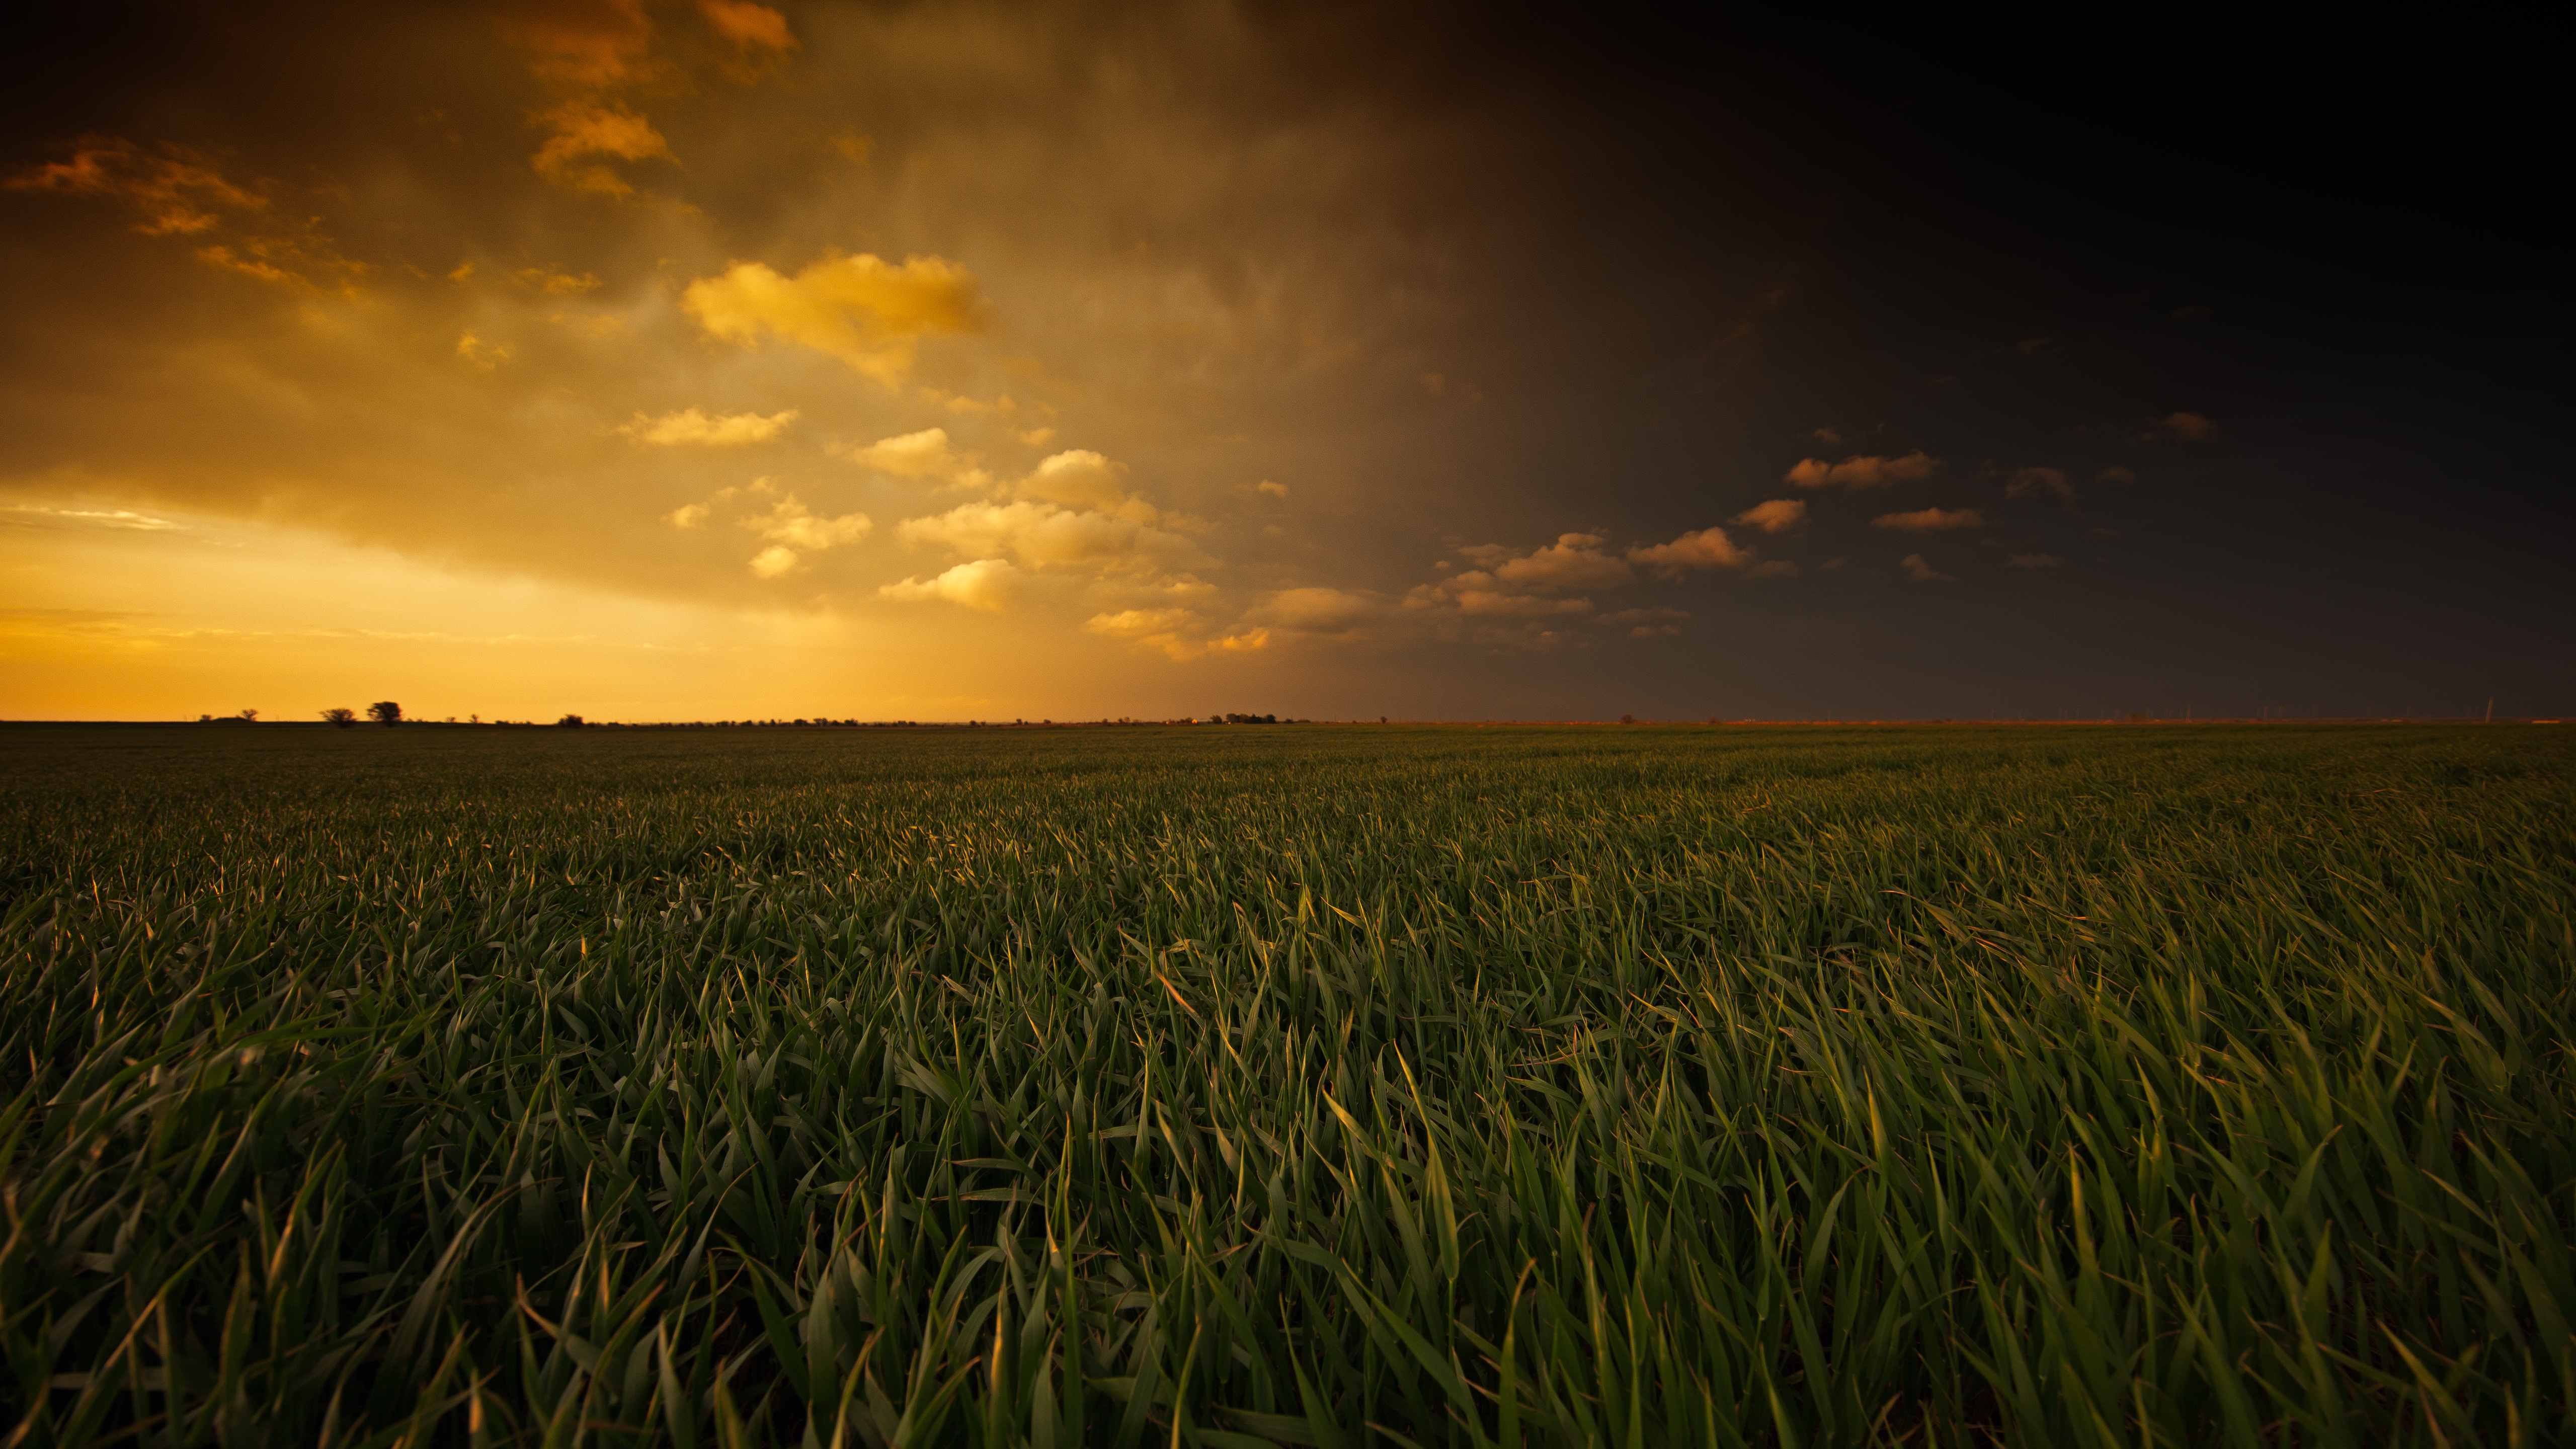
(1300, 1086)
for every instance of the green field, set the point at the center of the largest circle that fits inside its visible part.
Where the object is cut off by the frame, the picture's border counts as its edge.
(1298, 1085)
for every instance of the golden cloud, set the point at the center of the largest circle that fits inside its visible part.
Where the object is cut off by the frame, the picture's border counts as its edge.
(859, 309)
(924, 454)
(1079, 477)
(587, 128)
(722, 430)
(790, 522)
(988, 584)
(1863, 472)
(1041, 534)
(1169, 631)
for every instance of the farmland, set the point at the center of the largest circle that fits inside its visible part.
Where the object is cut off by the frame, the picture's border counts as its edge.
(1299, 1085)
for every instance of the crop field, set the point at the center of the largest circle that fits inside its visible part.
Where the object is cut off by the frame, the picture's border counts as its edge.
(2148, 1085)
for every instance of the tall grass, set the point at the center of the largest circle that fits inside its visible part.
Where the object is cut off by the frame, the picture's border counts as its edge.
(1531, 1087)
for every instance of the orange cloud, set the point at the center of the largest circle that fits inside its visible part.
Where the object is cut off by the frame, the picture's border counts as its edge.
(1706, 548)
(1922, 572)
(745, 23)
(1863, 472)
(860, 309)
(587, 42)
(1574, 561)
(1778, 515)
(176, 192)
(1930, 520)
(586, 128)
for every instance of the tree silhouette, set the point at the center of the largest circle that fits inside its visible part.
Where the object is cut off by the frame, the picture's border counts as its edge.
(570, 722)
(342, 717)
(385, 712)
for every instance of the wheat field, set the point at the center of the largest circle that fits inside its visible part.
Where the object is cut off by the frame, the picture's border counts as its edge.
(1257, 1085)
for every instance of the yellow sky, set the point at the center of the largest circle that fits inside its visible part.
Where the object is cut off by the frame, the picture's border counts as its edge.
(693, 361)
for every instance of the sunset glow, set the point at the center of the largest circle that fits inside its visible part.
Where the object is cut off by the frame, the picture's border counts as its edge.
(673, 361)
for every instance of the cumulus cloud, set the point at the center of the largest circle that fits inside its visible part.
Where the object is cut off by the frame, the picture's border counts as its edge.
(1174, 631)
(1930, 520)
(687, 515)
(1868, 471)
(588, 128)
(1705, 548)
(792, 523)
(987, 584)
(925, 454)
(1777, 515)
(2184, 428)
(773, 561)
(1275, 490)
(2037, 561)
(722, 430)
(861, 309)
(480, 353)
(1078, 477)
(1922, 572)
(1477, 591)
(2036, 482)
(1041, 534)
(1574, 561)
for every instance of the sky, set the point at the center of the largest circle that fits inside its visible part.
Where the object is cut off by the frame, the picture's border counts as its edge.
(710, 359)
